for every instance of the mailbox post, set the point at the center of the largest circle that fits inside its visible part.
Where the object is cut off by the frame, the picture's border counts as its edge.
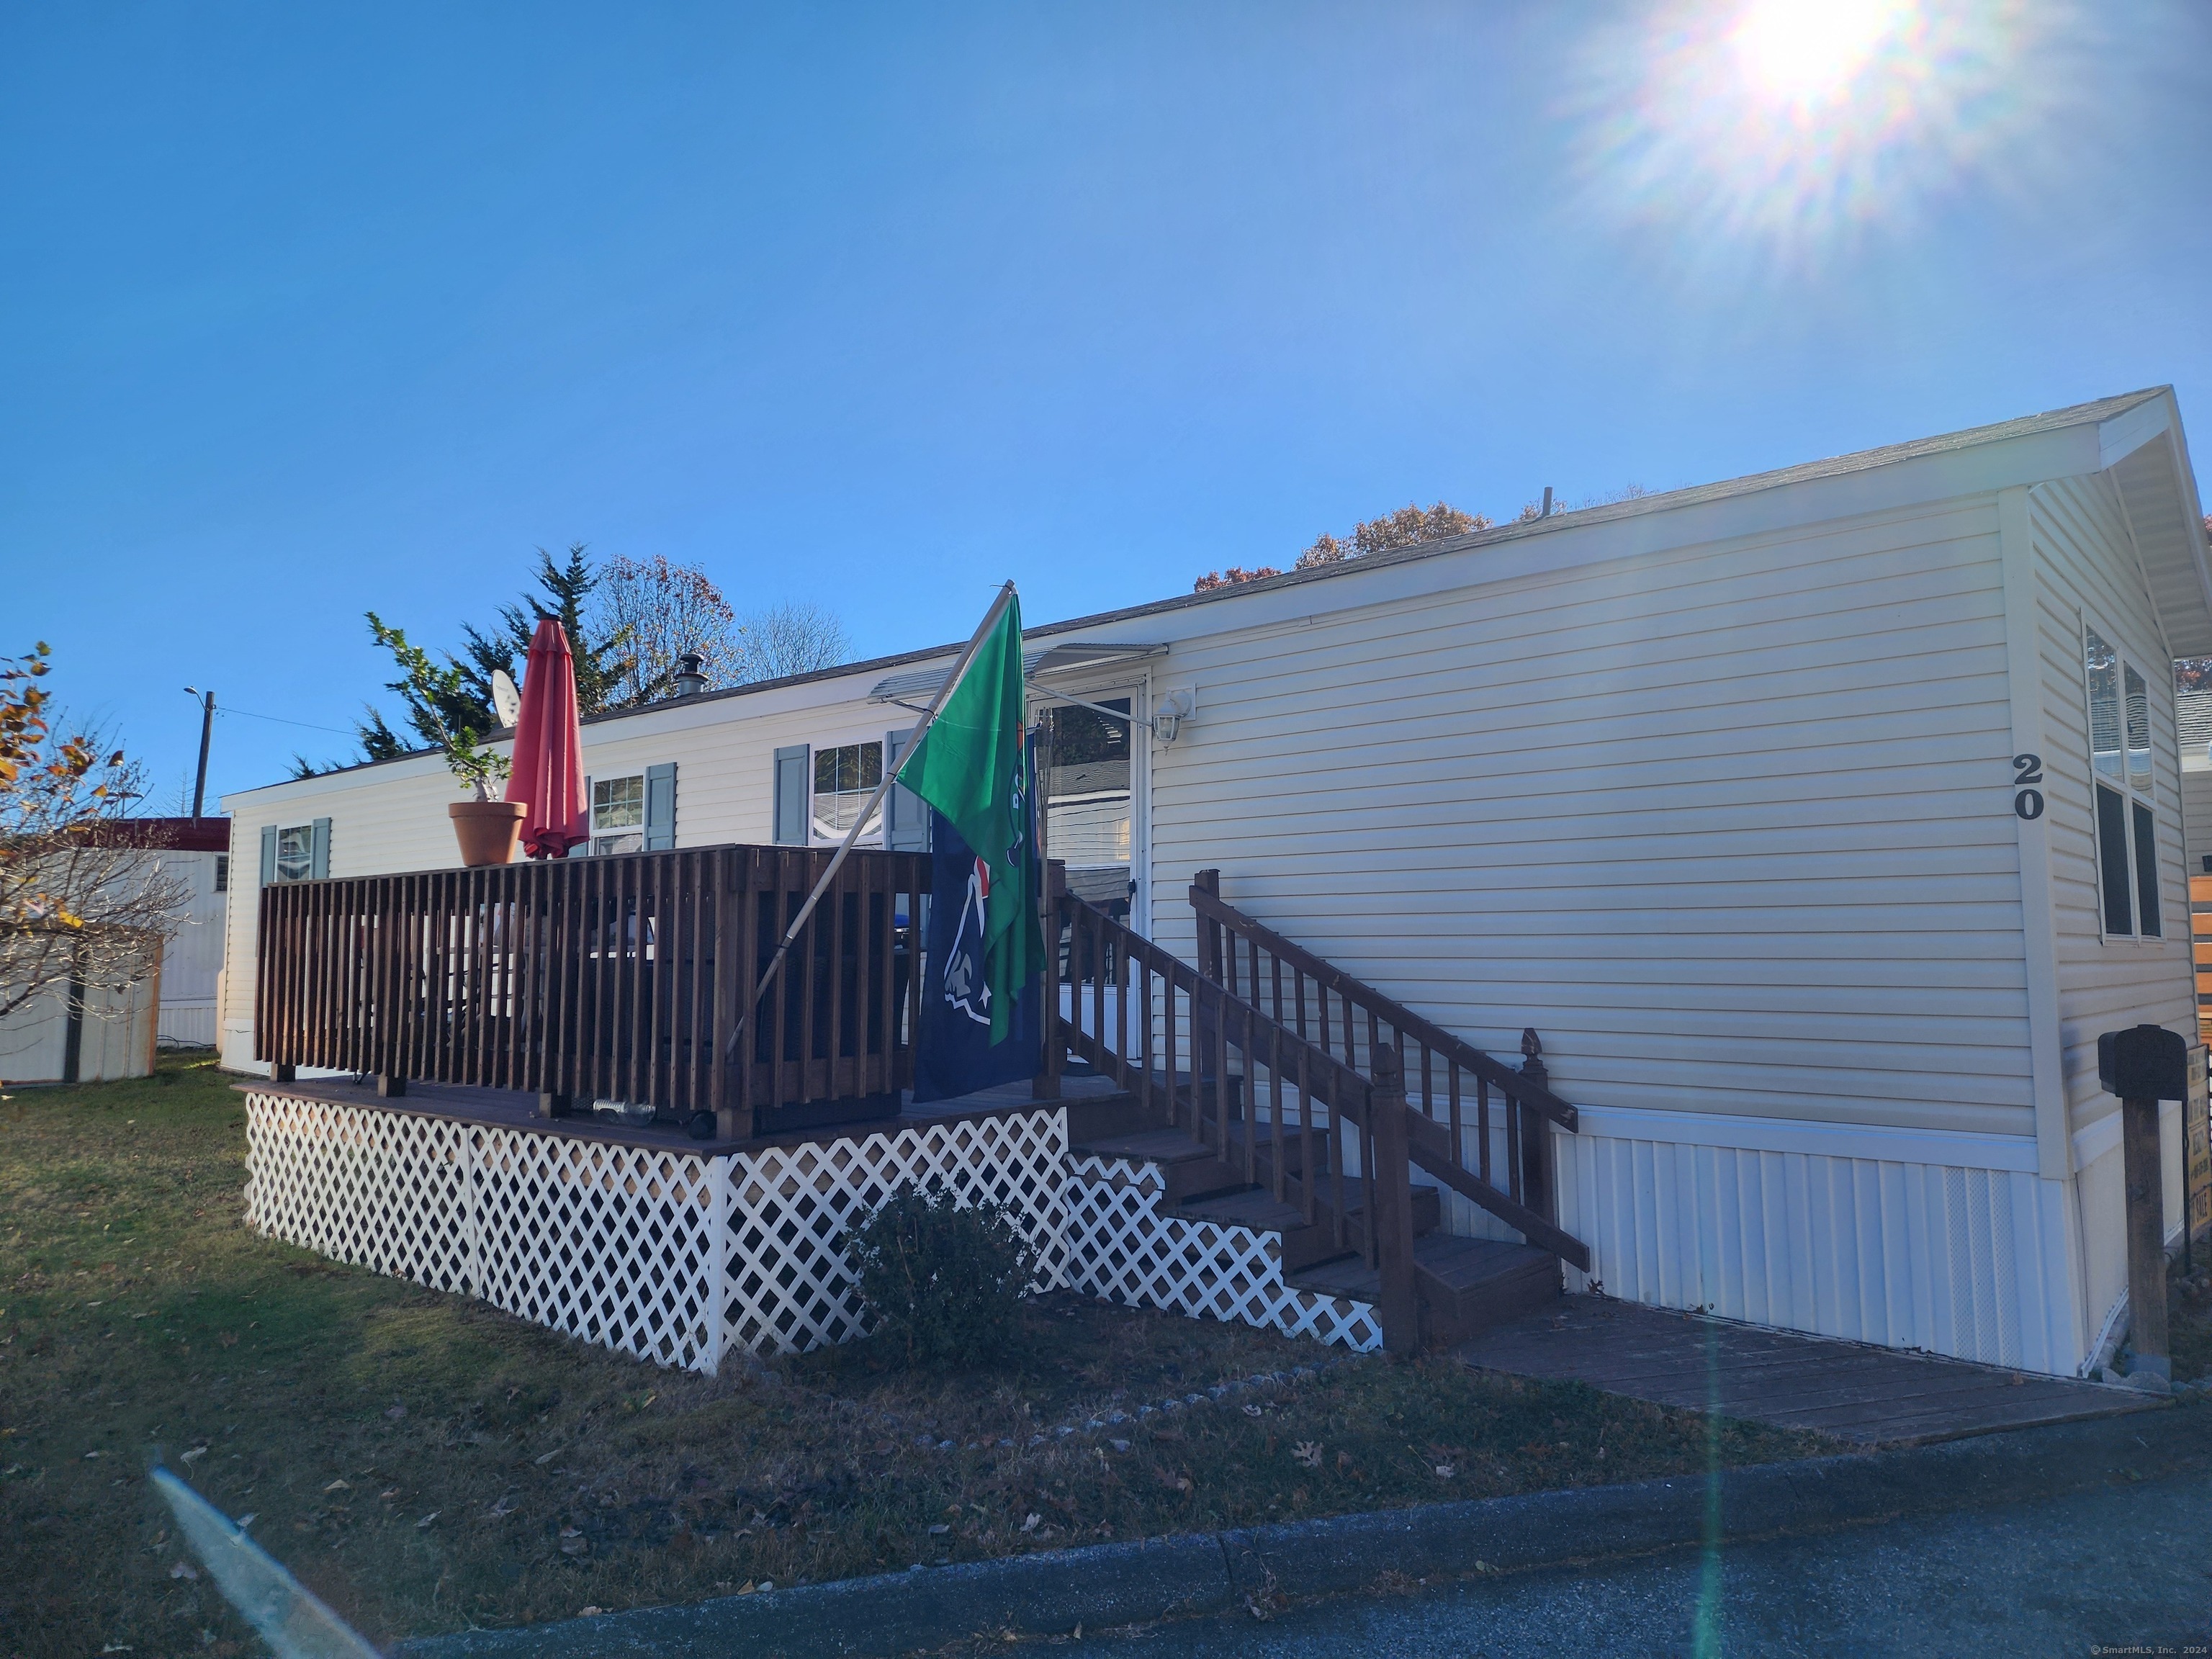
(2144, 1065)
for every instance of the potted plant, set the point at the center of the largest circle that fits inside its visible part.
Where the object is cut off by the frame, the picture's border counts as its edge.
(489, 829)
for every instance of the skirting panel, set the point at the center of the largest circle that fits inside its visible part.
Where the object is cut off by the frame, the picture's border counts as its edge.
(677, 1258)
(613, 1244)
(1971, 1262)
(787, 1285)
(1123, 1250)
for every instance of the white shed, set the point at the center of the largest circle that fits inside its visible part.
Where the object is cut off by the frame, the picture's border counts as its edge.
(1818, 820)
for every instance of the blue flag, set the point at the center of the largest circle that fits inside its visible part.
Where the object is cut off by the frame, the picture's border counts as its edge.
(954, 1055)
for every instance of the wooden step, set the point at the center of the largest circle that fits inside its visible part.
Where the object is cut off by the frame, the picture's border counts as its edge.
(1093, 1117)
(1188, 1170)
(1466, 1284)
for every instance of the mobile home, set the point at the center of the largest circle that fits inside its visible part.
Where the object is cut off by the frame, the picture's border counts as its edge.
(1818, 821)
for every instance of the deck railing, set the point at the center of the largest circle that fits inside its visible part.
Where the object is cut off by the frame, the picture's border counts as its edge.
(620, 977)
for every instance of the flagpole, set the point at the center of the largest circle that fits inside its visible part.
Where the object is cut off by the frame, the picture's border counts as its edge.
(890, 776)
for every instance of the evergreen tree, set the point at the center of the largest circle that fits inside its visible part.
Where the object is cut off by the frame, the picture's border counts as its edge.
(457, 697)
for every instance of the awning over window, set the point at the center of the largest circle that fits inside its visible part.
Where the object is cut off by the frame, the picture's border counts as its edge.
(1061, 657)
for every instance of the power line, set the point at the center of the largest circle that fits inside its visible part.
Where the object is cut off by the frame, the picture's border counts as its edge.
(281, 721)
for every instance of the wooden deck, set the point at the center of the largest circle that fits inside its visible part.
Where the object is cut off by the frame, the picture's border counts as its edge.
(1854, 1391)
(512, 1110)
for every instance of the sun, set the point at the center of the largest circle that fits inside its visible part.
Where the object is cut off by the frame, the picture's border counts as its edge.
(1806, 51)
(1795, 126)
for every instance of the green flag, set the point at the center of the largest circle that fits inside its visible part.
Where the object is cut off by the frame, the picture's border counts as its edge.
(971, 766)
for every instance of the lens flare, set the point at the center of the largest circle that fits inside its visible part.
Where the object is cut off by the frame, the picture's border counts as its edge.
(1790, 125)
(1805, 52)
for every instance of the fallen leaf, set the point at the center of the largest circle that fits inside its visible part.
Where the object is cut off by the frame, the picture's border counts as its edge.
(1030, 1524)
(429, 1518)
(246, 1520)
(940, 1527)
(389, 1493)
(594, 1613)
(1444, 1471)
(747, 1588)
(1307, 1452)
(183, 1569)
(337, 1485)
(1251, 1411)
(197, 1451)
(547, 1457)
(396, 1412)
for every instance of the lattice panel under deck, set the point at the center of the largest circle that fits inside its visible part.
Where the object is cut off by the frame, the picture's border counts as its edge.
(1123, 1250)
(614, 1244)
(789, 1286)
(383, 1190)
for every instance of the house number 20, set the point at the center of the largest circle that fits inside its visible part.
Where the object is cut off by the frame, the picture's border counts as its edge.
(2028, 769)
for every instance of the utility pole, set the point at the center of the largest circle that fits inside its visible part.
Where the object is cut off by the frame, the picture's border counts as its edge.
(207, 729)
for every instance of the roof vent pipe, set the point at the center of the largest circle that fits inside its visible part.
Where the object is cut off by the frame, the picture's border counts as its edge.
(690, 675)
(1546, 512)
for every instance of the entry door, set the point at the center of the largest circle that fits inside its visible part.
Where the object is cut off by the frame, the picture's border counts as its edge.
(1087, 778)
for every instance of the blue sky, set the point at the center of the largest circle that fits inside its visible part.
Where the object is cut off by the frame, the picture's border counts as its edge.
(308, 310)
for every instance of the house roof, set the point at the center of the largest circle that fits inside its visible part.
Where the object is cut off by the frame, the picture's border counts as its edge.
(2185, 570)
(186, 835)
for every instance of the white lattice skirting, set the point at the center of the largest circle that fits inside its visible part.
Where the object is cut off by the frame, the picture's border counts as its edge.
(1123, 1249)
(677, 1258)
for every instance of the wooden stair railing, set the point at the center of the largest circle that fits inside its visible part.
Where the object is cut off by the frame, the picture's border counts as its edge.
(1346, 1019)
(1278, 1109)
(1199, 1060)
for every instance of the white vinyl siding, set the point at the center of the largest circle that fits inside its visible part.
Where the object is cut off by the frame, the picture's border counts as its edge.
(2087, 576)
(1729, 827)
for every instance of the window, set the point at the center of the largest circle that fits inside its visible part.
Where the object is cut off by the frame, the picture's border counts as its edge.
(2122, 782)
(1085, 784)
(295, 852)
(618, 814)
(222, 872)
(844, 779)
(292, 852)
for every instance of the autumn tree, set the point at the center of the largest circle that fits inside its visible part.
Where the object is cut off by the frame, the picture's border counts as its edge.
(791, 639)
(663, 610)
(84, 907)
(1407, 527)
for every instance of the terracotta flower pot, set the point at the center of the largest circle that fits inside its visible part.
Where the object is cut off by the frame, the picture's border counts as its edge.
(489, 831)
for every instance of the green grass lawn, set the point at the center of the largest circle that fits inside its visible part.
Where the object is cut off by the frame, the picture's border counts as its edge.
(423, 1462)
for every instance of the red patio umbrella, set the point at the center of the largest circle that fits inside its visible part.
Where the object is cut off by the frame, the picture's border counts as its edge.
(548, 748)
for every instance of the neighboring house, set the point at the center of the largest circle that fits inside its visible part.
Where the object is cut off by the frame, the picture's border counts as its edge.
(1819, 820)
(198, 850)
(113, 1033)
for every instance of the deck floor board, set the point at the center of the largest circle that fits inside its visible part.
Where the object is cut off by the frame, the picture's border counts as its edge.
(1851, 1390)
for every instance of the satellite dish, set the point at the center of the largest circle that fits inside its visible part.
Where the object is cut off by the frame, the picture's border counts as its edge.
(505, 699)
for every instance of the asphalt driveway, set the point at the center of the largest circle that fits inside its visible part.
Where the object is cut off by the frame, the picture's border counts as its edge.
(2127, 1569)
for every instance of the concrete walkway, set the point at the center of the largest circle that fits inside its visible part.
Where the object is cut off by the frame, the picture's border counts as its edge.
(2122, 1568)
(1858, 1393)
